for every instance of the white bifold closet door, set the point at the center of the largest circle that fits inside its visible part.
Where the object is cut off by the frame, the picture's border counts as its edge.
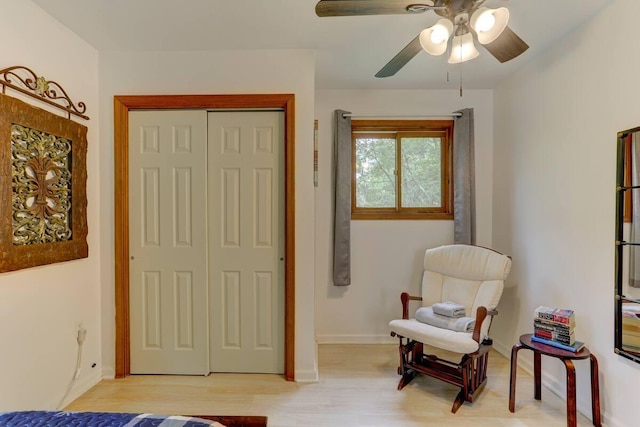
(168, 245)
(246, 241)
(206, 242)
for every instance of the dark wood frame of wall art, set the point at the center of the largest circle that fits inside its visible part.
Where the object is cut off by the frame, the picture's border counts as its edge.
(122, 106)
(16, 257)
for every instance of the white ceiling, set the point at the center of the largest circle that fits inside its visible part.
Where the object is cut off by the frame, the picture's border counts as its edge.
(349, 50)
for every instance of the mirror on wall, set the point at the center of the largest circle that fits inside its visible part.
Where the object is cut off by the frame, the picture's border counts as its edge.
(627, 254)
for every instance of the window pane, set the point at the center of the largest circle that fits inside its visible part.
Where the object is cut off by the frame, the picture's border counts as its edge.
(375, 172)
(421, 172)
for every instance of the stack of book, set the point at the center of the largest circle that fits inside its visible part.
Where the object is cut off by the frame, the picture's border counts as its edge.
(555, 327)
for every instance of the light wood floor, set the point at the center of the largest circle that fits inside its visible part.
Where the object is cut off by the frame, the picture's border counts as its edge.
(357, 387)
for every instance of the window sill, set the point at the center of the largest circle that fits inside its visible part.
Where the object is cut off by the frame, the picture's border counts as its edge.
(401, 216)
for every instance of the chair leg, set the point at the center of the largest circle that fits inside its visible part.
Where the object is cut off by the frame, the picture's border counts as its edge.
(413, 348)
(417, 352)
(473, 373)
(407, 377)
(460, 398)
(402, 352)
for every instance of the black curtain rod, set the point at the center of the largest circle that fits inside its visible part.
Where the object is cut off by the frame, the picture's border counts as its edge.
(345, 115)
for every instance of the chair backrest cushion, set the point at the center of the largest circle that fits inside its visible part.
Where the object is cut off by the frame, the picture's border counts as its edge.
(469, 275)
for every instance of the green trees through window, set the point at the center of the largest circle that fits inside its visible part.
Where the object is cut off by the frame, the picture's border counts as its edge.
(401, 169)
(375, 172)
(421, 168)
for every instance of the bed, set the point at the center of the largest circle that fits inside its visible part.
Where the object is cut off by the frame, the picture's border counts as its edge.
(112, 419)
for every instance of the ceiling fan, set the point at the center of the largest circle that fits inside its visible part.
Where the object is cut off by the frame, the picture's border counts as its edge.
(465, 20)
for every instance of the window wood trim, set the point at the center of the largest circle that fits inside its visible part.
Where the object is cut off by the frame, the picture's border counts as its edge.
(374, 126)
(400, 128)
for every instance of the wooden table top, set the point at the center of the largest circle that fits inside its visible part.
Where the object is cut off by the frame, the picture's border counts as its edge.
(552, 351)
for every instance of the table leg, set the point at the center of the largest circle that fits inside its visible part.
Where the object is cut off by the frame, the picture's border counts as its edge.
(595, 392)
(512, 380)
(572, 420)
(536, 375)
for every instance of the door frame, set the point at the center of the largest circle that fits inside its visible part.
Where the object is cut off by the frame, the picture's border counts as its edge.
(122, 104)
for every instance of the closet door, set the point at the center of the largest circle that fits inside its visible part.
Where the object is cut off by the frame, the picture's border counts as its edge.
(246, 241)
(168, 266)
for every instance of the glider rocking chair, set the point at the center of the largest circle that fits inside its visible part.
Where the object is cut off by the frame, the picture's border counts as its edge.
(470, 276)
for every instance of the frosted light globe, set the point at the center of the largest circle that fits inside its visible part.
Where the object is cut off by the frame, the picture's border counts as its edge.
(486, 21)
(439, 34)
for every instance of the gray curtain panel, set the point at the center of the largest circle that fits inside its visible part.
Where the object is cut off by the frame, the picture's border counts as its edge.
(464, 187)
(342, 213)
(634, 251)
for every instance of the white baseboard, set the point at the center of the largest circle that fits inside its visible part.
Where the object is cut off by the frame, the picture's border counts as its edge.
(306, 376)
(82, 385)
(355, 339)
(611, 421)
(502, 349)
(108, 373)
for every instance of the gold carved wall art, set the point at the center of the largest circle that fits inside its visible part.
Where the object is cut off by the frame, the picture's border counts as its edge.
(43, 176)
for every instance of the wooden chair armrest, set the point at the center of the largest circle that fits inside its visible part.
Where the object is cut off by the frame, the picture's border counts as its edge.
(405, 298)
(481, 314)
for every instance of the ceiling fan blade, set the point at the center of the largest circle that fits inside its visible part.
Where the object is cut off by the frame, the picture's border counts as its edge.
(367, 7)
(401, 59)
(507, 46)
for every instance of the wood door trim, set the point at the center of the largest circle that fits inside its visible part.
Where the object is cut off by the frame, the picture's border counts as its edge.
(122, 105)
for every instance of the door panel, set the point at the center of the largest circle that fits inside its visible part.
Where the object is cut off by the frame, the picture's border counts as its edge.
(168, 266)
(246, 241)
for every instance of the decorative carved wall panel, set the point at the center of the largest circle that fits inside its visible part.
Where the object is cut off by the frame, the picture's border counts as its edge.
(43, 178)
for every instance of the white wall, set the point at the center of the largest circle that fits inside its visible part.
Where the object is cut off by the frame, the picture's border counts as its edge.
(387, 255)
(41, 307)
(219, 72)
(554, 195)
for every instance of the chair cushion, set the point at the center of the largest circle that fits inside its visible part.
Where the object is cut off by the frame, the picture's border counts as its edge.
(457, 342)
(468, 262)
(469, 275)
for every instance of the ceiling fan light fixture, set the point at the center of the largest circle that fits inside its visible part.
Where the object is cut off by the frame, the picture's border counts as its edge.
(462, 49)
(434, 39)
(485, 22)
(489, 23)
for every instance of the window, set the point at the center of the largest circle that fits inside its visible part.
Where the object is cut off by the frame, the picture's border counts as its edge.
(401, 169)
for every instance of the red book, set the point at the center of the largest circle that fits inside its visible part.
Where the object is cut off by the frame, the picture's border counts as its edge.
(560, 315)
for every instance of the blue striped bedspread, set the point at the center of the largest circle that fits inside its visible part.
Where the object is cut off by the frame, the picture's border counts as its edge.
(98, 419)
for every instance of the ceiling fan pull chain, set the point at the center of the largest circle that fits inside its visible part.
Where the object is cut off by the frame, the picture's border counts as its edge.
(461, 80)
(461, 70)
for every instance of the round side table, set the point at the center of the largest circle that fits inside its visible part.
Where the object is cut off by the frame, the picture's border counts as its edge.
(567, 358)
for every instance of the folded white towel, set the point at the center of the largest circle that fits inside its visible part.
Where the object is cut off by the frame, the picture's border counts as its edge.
(458, 324)
(449, 309)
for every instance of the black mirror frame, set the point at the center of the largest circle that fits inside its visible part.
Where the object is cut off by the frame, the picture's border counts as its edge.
(621, 188)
